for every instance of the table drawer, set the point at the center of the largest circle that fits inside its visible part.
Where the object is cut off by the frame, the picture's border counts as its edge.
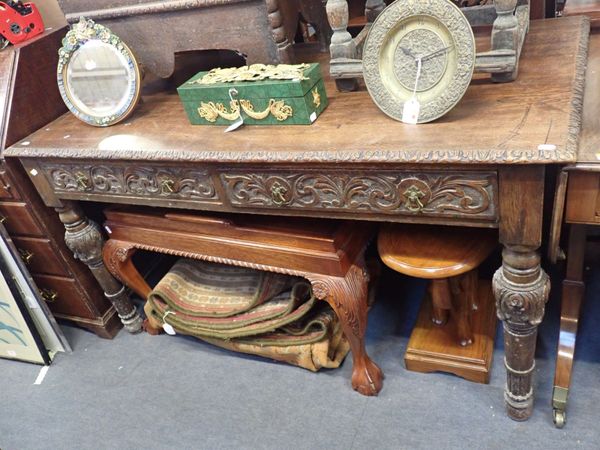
(39, 256)
(17, 219)
(62, 296)
(583, 197)
(464, 195)
(147, 183)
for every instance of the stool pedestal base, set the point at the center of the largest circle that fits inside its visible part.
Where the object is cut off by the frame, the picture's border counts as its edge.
(434, 348)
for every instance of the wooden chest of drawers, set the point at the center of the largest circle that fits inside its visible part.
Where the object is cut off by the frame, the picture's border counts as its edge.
(28, 85)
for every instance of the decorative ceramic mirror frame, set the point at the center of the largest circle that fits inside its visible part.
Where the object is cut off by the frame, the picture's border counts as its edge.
(85, 32)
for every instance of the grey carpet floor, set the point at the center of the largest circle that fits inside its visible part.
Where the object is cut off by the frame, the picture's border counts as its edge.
(147, 392)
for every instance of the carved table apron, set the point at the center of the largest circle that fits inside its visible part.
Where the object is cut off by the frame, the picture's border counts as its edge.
(482, 165)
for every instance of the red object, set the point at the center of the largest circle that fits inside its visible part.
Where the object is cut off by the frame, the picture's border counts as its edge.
(19, 21)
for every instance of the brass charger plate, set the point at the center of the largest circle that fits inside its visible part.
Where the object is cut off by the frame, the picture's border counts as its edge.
(435, 31)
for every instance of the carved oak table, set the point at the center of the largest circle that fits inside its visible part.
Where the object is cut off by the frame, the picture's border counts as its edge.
(482, 165)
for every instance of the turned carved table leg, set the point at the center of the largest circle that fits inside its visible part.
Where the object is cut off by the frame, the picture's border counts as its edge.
(521, 289)
(342, 44)
(348, 297)
(505, 34)
(85, 240)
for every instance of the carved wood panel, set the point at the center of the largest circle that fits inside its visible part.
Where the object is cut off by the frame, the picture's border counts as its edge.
(153, 182)
(465, 195)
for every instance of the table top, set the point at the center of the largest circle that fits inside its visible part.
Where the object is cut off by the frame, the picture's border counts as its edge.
(535, 119)
(589, 146)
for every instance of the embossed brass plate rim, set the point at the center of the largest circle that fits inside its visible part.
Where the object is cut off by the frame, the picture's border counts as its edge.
(377, 69)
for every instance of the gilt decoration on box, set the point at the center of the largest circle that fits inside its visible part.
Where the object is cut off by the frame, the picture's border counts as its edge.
(258, 94)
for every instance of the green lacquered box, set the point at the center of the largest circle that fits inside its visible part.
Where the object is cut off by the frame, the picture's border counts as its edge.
(296, 100)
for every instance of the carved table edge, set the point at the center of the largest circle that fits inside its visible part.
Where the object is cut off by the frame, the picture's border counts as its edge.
(495, 156)
(578, 88)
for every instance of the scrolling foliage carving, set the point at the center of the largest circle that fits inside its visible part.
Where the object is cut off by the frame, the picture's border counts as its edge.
(429, 194)
(138, 181)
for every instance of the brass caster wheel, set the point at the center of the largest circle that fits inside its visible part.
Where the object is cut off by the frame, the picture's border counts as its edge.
(560, 418)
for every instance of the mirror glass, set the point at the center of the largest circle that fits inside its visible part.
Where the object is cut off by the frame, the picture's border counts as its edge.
(99, 79)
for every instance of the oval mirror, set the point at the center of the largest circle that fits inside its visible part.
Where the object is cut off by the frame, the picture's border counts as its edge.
(98, 75)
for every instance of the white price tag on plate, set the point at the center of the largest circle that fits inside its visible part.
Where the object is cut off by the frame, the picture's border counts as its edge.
(410, 112)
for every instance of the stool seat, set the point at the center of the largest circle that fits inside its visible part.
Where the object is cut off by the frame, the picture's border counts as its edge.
(430, 252)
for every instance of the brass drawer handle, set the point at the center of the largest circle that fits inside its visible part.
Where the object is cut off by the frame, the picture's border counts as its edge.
(49, 295)
(413, 198)
(278, 193)
(26, 256)
(83, 182)
(2, 219)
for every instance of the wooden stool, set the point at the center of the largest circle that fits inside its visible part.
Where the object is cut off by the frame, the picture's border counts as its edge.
(328, 253)
(449, 257)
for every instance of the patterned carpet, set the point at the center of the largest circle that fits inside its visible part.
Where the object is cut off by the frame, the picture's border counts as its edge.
(162, 392)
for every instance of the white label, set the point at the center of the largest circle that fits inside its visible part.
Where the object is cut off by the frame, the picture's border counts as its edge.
(25, 143)
(169, 329)
(313, 117)
(410, 112)
(33, 172)
(546, 147)
(11, 353)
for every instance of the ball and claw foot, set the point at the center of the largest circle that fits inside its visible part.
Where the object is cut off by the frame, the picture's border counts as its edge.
(367, 379)
(559, 417)
(150, 328)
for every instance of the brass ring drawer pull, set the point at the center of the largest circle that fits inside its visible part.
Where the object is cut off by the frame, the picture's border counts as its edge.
(26, 256)
(49, 295)
(2, 219)
(413, 197)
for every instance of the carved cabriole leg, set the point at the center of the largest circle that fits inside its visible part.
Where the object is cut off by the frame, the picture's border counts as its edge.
(117, 257)
(84, 239)
(342, 44)
(521, 289)
(285, 50)
(348, 297)
(505, 34)
(373, 8)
